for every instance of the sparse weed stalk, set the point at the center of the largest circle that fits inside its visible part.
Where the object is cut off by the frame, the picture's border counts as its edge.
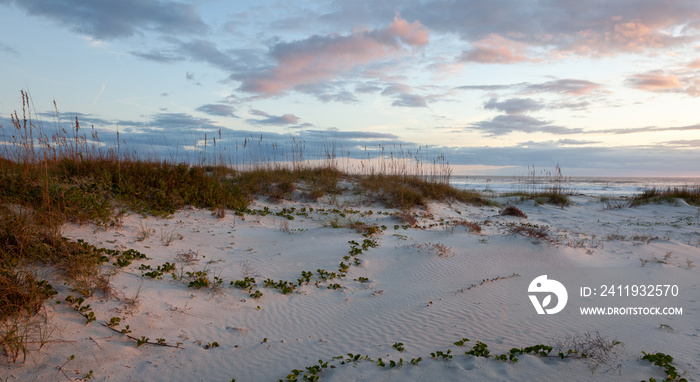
(610, 203)
(284, 226)
(168, 236)
(442, 250)
(407, 217)
(470, 226)
(144, 231)
(615, 236)
(436, 248)
(188, 257)
(645, 239)
(20, 333)
(596, 349)
(665, 260)
(549, 187)
(484, 281)
(532, 231)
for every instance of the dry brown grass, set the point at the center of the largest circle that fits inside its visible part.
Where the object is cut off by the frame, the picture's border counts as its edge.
(513, 211)
(531, 231)
(471, 226)
(437, 248)
(52, 174)
(691, 195)
(407, 218)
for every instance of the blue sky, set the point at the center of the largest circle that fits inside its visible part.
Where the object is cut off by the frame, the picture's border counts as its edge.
(599, 87)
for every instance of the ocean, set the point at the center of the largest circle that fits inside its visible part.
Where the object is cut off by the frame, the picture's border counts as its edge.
(592, 186)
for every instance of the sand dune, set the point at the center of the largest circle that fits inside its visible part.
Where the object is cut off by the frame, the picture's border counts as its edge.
(425, 287)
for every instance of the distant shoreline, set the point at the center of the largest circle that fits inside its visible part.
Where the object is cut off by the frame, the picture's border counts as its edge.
(586, 185)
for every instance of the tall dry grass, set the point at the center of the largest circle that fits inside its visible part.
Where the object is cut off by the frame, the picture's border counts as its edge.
(548, 187)
(690, 194)
(51, 173)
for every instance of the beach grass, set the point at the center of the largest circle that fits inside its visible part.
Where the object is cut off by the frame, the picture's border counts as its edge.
(56, 174)
(68, 175)
(690, 194)
(549, 188)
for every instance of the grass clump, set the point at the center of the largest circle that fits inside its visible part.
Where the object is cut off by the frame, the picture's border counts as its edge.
(690, 194)
(407, 191)
(469, 226)
(280, 183)
(531, 231)
(551, 189)
(22, 292)
(513, 211)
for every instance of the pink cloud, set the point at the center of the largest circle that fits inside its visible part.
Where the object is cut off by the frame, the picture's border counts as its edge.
(693, 86)
(655, 82)
(495, 49)
(616, 36)
(321, 58)
(413, 34)
(567, 86)
(674, 81)
(635, 36)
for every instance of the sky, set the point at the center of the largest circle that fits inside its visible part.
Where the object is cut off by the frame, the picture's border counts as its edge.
(602, 88)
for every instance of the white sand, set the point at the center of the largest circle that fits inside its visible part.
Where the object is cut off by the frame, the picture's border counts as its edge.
(413, 296)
